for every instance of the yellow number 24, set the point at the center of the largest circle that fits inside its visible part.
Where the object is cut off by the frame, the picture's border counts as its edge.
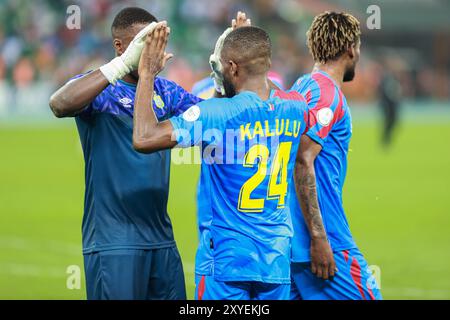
(278, 186)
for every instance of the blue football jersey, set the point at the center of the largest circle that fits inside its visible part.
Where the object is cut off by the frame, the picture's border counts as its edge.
(126, 192)
(329, 125)
(248, 150)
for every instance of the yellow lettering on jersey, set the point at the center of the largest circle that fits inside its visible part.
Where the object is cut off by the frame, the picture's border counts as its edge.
(297, 127)
(245, 132)
(258, 130)
(282, 127)
(267, 129)
(287, 132)
(279, 127)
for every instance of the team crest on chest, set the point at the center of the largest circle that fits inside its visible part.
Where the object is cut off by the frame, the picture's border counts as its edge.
(158, 101)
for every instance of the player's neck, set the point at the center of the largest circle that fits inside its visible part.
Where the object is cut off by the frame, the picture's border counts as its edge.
(130, 79)
(334, 69)
(258, 85)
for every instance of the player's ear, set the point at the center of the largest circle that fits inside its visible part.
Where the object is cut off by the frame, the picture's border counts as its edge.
(118, 46)
(233, 68)
(351, 52)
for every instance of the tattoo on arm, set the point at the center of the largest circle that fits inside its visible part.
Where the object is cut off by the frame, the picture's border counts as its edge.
(305, 182)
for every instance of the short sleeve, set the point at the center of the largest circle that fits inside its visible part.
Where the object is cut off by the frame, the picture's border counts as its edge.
(88, 108)
(180, 99)
(324, 102)
(324, 112)
(197, 123)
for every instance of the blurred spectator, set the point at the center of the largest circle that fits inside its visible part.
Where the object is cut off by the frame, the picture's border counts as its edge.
(389, 91)
(37, 50)
(23, 73)
(3, 88)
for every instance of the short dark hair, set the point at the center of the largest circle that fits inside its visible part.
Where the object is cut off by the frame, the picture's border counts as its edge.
(331, 34)
(249, 46)
(129, 16)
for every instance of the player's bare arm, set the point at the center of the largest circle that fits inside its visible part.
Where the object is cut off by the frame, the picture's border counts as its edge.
(73, 97)
(322, 260)
(149, 135)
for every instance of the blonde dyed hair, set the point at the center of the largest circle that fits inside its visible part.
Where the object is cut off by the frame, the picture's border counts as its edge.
(331, 34)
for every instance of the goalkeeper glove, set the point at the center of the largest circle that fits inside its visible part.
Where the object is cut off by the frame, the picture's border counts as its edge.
(216, 66)
(120, 66)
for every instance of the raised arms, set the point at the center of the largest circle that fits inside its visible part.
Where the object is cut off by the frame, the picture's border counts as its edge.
(74, 96)
(149, 135)
(322, 260)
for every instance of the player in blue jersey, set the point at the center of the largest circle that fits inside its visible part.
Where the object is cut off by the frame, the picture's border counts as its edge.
(249, 143)
(326, 261)
(128, 244)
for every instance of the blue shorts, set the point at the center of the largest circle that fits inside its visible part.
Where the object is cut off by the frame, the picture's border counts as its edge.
(206, 288)
(353, 281)
(135, 275)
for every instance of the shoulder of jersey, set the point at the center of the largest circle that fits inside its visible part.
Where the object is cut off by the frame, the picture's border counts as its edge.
(162, 82)
(326, 86)
(303, 80)
(292, 95)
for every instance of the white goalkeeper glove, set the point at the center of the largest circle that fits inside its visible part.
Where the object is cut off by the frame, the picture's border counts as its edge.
(120, 66)
(216, 66)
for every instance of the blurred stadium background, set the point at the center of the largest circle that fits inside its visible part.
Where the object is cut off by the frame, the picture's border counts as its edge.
(397, 196)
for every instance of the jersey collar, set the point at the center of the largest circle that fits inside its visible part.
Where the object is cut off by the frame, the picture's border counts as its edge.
(128, 84)
(271, 94)
(328, 76)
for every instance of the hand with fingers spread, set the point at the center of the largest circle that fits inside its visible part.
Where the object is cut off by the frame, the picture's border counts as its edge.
(148, 133)
(154, 57)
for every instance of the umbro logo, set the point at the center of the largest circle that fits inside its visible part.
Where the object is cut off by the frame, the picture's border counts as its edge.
(126, 102)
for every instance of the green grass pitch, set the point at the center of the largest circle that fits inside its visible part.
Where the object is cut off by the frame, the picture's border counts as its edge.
(397, 202)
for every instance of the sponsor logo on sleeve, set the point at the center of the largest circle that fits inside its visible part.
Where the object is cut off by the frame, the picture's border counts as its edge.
(192, 114)
(325, 116)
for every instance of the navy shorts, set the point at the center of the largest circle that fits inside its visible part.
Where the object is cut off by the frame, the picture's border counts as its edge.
(353, 281)
(135, 275)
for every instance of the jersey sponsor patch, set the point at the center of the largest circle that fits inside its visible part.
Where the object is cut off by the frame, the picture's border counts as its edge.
(325, 116)
(192, 113)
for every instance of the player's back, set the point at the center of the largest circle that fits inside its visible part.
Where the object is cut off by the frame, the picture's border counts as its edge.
(248, 161)
(260, 140)
(330, 126)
